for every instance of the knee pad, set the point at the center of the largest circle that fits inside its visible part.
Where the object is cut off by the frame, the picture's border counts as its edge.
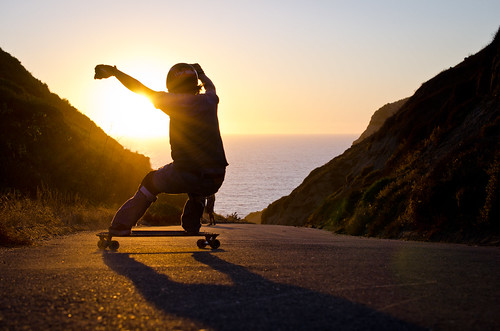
(149, 196)
(147, 182)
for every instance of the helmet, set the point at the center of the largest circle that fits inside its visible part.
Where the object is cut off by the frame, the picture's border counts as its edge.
(182, 78)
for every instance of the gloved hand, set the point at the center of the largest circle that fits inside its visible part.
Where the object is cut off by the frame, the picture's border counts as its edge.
(104, 71)
(198, 69)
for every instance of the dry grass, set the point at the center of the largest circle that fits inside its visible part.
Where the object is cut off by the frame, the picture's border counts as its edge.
(23, 221)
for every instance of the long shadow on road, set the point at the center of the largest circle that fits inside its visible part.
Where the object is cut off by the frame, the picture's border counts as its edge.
(251, 302)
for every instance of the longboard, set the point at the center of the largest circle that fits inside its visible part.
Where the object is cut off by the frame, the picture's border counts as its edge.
(105, 239)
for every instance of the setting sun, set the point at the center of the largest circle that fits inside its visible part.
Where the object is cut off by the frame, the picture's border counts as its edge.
(123, 113)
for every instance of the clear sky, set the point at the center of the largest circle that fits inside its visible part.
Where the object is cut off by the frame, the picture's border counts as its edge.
(279, 66)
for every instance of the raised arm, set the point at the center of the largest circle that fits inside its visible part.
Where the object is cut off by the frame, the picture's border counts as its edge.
(106, 71)
(207, 83)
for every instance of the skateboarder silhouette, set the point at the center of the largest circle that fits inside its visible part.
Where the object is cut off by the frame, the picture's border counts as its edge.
(197, 151)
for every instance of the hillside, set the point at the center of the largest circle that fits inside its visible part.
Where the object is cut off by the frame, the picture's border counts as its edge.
(431, 172)
(45, 142)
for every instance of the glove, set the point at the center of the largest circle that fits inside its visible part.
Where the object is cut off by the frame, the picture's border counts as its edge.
(198, 69)
(104, 71)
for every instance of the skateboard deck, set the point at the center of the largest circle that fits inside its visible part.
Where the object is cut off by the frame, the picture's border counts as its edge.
(105, 239)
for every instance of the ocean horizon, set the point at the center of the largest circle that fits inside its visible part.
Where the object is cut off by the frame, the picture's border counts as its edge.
(262, 168)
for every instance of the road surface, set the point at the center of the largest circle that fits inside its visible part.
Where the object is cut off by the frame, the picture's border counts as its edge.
(263, 277)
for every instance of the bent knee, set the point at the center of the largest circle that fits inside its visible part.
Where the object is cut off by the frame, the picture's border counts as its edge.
(148, 183)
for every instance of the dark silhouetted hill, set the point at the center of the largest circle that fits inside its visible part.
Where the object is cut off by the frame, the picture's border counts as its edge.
(44, 141)
(431, 172)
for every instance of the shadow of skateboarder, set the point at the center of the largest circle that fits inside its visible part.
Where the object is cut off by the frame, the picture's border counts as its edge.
(250, 302)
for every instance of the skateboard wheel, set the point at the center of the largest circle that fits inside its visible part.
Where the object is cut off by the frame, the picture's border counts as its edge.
(201, 243)
(102, 244)
(113, 245)
(215, 244)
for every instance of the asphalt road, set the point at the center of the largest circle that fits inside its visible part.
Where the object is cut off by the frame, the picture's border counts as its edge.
(261, 278)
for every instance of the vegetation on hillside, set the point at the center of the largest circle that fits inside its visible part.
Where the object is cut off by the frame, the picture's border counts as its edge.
(24, 220)
(431, 172)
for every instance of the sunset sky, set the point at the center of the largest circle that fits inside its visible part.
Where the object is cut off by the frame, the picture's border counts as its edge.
(285, 67)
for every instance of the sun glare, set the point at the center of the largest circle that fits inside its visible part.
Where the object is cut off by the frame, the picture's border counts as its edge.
(122, 113)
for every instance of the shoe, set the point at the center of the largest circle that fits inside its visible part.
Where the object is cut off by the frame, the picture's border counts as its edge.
(119, 230)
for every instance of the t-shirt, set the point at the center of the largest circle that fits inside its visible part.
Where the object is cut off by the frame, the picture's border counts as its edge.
(195, 139)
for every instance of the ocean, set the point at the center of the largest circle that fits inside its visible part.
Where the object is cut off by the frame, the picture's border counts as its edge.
(262, 168)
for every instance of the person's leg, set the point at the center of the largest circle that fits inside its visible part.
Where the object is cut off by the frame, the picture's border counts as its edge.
(210, 208)
(130, 212)
(204, 185)
(192, 213)
(170, 179)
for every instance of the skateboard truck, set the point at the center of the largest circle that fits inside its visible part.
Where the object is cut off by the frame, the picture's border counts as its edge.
(210, 239)
(106, 242)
